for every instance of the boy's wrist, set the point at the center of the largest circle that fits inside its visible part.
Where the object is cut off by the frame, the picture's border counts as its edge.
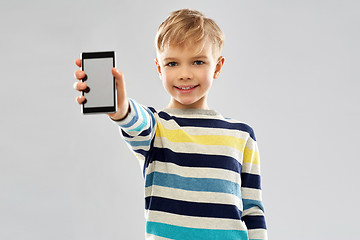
(121, 116)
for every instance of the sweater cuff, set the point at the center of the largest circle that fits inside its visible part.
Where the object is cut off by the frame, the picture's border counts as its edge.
(131, 114)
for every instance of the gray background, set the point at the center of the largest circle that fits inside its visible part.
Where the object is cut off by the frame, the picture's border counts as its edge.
(291, 72)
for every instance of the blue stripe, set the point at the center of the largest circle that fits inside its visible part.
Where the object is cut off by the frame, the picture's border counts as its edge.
(125, 134)
(147, 156)
(195, 159)
(177, 232)
(250, 180)
(152, 109)
(141, 151)
(195, 209)
(254, 222)
(209, 123)
(249, 203)
(152, 116)
(144, 122)
(193, 184)
(147, 132)
(144, 133)
(134, 119)
(138, 143)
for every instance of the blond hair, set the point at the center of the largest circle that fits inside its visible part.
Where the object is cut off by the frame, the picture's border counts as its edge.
(188, 26)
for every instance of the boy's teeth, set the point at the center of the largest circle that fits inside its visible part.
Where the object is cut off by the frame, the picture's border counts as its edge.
(185, 88)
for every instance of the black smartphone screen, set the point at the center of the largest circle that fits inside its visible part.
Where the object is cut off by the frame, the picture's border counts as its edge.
(101, 92)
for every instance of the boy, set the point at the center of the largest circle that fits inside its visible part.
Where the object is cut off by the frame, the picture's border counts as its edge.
(201, 170)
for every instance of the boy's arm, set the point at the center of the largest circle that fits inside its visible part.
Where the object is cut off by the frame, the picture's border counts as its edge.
(137, 123)
(253, 209)
(138, 129)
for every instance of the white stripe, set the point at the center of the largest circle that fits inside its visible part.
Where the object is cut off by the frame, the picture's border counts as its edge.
(137, 139)
(231, 120)
(251, 193)
(196, 222)
(193, 196)
(153, 237)
(205, 116)
(194, 115)
(252, 145)
(258, 234)
(251, 168)
(254, 211)
(195, 172)
(128, 118)
(140, 119)
(162, 142)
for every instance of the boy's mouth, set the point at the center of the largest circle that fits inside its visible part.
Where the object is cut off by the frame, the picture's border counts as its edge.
(187, 87)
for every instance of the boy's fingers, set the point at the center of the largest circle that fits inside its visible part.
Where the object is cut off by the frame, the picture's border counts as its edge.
(79, 74)
(120, 84)
(117, 74)
(80, 99)
(78, 62)
(80, 86)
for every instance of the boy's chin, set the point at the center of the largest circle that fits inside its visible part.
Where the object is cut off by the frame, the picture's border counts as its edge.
(188, 104)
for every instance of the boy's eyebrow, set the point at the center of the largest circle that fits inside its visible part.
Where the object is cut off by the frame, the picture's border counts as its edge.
(169, 59)
(200, 56)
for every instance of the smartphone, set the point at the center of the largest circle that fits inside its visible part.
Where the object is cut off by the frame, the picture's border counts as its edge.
(100, 94)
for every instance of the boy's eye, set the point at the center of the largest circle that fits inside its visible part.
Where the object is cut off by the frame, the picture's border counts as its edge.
(171, 64)
(198, 62)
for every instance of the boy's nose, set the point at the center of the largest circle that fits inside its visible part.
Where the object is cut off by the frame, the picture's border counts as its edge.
(185, 73)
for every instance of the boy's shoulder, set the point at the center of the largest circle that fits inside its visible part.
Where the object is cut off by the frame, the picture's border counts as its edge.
(242, 126)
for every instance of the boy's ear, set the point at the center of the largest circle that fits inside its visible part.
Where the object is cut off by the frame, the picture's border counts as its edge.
(218, 67)
(158, 67)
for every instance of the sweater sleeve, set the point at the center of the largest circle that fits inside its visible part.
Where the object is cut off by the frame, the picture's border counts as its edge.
(253, 209)
(138, 130)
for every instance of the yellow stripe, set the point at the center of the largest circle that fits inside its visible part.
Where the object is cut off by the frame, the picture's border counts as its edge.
(251, 156)
(178, 135)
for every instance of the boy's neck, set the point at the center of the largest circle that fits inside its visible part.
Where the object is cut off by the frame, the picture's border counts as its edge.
(177, 105)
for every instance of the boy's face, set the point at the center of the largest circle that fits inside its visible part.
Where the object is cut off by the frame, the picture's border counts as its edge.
(187, 74)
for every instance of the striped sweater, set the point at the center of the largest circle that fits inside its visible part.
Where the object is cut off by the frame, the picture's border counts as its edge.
(201, 171)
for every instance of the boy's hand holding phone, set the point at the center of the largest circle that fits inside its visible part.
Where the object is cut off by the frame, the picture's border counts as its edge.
(122, 101)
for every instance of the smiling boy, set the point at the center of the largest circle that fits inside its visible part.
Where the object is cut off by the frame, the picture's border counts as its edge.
(188, 76)
(201, 170)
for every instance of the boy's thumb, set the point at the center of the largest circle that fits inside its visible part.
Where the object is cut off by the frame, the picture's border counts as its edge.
(117, 74)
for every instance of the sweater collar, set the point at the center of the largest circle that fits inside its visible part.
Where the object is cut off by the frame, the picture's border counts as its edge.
(192, 111)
